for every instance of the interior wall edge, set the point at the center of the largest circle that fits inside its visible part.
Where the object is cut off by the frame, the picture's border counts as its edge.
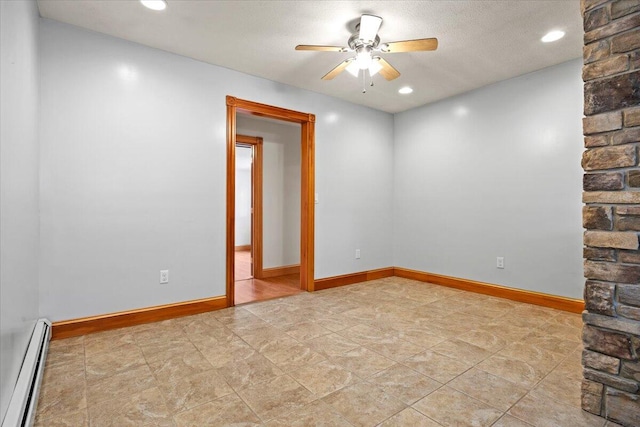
(19, 188)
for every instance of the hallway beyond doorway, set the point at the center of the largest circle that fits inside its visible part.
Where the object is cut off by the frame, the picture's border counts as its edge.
(248, 289)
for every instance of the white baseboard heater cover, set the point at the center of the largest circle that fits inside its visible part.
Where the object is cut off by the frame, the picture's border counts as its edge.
(22, 407)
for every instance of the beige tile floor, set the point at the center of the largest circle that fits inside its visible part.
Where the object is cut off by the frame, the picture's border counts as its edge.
(390, 352)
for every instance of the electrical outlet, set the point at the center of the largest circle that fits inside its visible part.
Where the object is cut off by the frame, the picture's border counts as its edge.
(500, 262)
(164, 276)
(357, 253)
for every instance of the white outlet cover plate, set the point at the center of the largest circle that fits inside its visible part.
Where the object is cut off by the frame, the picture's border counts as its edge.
(164, 276)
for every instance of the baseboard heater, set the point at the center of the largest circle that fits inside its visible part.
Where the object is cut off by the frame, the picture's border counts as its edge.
(22, 407)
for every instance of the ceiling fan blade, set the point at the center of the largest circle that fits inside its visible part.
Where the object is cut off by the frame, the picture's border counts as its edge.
(369, 26)
(321, 48)
(337, 70)
(411, 45)
(387, 71)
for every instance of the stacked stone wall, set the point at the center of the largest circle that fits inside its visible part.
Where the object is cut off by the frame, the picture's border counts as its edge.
(611, 215)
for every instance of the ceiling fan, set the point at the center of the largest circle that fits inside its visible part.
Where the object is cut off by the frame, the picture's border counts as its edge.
(365, 42)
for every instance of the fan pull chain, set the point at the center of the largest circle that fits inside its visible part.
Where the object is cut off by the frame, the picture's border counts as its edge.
(364, 81)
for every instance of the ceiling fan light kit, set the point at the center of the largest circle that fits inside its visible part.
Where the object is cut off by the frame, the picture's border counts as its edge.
(366, 44)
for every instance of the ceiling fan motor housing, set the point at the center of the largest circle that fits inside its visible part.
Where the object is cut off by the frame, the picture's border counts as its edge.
(355, 42)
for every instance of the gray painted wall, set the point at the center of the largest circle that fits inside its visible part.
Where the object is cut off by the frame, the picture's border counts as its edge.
(495, 172)
(133, 174)
(19, 227)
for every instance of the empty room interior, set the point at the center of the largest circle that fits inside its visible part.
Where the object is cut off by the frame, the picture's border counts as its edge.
(337, 213)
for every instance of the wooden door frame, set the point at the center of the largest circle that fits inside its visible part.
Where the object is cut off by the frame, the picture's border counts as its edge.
(307, 185)
(256, 201)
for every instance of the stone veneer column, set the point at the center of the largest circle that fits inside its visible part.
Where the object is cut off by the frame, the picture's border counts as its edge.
(611, 334)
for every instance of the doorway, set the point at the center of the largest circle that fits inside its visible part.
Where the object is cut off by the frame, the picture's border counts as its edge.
(248, 224)
(252, 282)
(307, 163)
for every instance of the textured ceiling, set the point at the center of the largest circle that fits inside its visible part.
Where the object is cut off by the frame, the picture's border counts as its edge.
(480, 42)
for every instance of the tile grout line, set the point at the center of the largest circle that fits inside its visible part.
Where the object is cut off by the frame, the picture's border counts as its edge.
(533, 387)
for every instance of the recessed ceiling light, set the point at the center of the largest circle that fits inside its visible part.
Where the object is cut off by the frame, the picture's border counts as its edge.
(154, 4)
(552, 36)
(405, 90)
